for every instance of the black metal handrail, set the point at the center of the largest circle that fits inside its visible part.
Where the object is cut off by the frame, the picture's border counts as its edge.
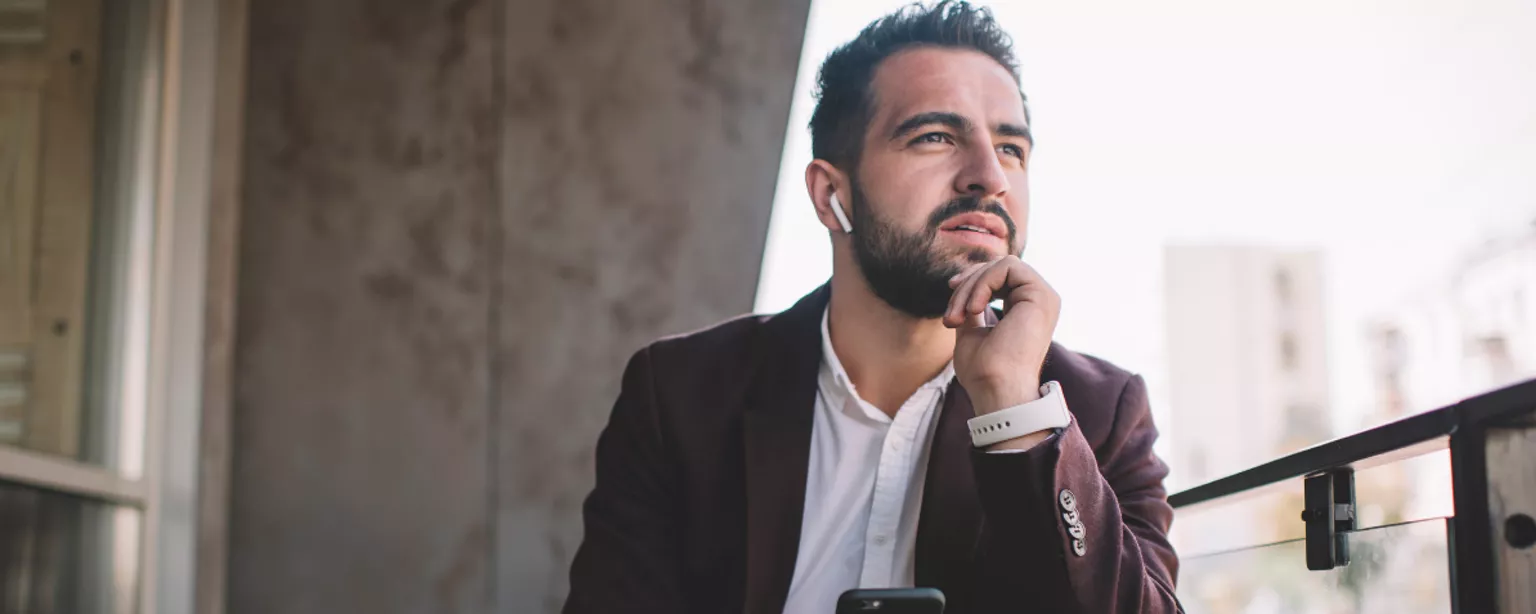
(1403, 438)
(1464, 428)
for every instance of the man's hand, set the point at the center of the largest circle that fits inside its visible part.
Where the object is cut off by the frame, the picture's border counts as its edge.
(1000, 366)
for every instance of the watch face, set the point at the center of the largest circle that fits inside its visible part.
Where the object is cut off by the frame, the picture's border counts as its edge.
(1061, 404)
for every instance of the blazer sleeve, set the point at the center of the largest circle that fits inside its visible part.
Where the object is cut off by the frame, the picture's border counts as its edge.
(1076, 531)
(628, 558)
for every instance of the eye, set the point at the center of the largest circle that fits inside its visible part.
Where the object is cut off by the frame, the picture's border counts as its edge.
(932, 137)
(1012, 150)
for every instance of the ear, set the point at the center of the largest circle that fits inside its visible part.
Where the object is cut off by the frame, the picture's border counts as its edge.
(829, 188)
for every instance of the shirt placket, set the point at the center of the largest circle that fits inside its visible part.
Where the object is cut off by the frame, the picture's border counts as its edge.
(892, 478)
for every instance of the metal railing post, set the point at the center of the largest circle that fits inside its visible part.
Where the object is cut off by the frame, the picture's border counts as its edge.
(1471, 541)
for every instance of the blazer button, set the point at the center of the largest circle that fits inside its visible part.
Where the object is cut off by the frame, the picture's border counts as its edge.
(1068, 500)
(1078, 547)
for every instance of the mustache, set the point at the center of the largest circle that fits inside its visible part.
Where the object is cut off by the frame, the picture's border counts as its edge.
(969, 204)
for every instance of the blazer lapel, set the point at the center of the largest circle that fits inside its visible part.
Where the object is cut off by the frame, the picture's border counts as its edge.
(950, 521)
(780, 407)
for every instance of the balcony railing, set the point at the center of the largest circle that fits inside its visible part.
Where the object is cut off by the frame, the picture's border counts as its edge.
(1480, 559)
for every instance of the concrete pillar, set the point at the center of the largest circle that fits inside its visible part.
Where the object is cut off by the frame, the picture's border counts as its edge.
(460, 217)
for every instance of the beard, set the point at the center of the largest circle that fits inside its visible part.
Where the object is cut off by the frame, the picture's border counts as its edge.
(908, 270)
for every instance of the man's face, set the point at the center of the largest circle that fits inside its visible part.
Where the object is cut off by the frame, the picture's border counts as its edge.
(942, 178)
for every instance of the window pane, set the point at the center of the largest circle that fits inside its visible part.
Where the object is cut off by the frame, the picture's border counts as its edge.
(1402, 569)
(67, 84)
(61, 554)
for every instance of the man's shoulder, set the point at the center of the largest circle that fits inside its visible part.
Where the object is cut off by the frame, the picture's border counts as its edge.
(709, 366)
(711, 344)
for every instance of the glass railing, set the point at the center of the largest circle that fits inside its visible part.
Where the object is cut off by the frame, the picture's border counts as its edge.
(1397, 569)
(1329, 529)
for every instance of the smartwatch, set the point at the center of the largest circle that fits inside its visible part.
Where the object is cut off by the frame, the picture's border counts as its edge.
(1047, 412)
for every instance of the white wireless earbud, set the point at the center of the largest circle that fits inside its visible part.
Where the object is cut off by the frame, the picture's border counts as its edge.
(842, 218)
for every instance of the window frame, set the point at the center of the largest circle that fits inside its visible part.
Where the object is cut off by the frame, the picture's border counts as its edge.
(174, 151)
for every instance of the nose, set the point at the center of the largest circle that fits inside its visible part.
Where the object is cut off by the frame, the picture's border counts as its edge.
(982, 174)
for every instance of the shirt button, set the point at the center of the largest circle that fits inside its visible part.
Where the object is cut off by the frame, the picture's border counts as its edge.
(880, 540)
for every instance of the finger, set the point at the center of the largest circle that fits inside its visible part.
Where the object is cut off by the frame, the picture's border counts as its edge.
(1028, 286)
(956, 283)
(965, 273)
(1014, 282)
(999, 279)
(955, 315)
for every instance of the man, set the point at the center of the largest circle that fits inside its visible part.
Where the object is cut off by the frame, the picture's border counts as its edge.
(890, 429)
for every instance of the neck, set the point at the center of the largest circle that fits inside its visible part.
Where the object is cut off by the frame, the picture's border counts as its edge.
(887, 354)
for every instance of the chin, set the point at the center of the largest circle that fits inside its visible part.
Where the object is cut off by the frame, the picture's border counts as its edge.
(967, 256)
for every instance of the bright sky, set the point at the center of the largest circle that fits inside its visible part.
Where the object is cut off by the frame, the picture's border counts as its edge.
(1390, 134)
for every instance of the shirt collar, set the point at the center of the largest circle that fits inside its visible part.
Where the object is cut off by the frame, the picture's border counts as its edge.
(834, 381)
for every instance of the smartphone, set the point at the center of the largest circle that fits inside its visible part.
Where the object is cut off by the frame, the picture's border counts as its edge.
(891, 601)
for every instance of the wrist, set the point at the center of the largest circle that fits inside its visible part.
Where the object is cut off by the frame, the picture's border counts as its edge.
(1021, 426)
(991, 397)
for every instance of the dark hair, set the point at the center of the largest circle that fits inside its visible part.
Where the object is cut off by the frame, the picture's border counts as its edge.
(844, 104)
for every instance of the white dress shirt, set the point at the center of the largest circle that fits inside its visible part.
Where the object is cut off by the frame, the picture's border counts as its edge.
(863, 489)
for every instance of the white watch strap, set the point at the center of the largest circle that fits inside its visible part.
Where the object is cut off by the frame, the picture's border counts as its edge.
(1047, 412)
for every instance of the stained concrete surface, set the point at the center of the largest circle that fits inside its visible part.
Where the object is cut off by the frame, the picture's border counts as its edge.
(460, 218)
(360, 474)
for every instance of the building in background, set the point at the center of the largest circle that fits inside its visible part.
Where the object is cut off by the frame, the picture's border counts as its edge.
(1248, 376)
(1465, 333)
(1455, 336)
(1247, 370)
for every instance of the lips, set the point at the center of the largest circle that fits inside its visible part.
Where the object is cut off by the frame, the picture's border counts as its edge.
(980, 223)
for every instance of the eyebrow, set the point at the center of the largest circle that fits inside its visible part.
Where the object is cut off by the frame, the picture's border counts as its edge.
(953, 121)
(956, 122)
(1015, 130)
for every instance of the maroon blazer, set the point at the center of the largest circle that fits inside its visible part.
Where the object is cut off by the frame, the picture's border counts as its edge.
(701, 484)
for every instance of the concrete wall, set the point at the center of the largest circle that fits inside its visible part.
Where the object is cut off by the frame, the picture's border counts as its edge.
(459, 219)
